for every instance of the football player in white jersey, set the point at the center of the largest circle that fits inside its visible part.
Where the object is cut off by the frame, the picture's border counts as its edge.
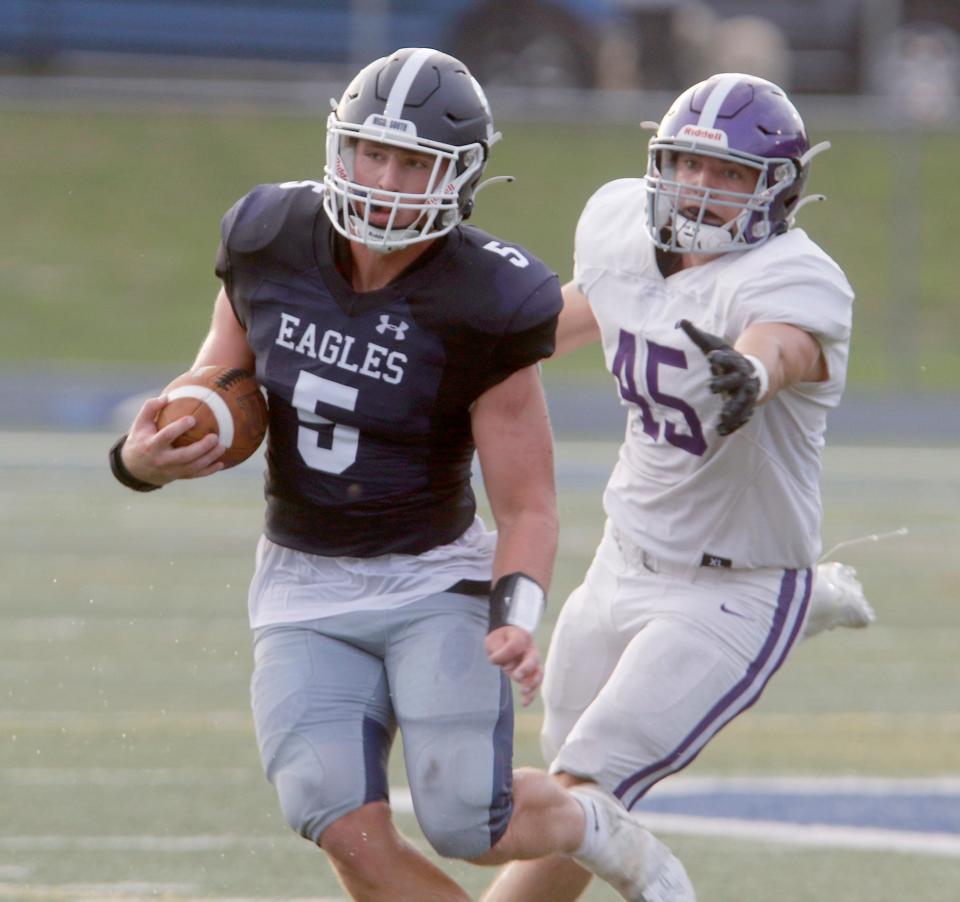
(727, 331)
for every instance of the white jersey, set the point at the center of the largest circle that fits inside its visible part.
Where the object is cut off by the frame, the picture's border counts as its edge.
(680, 490)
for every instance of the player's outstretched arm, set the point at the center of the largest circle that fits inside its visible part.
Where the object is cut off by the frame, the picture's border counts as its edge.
(790, 354)
(766, 358)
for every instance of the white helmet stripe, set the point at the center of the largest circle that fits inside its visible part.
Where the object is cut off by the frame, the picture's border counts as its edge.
(718, 95)
(408, 72)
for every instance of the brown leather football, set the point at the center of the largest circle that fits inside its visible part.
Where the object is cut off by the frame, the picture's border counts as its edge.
(222, 399)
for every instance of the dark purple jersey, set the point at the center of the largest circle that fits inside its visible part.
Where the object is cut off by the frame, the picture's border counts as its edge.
(370, 446)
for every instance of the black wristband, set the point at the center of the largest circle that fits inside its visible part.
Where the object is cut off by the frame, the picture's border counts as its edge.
(122, 474)
(516, 600)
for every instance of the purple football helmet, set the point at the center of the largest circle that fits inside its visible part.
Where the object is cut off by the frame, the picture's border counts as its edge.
(740, 119)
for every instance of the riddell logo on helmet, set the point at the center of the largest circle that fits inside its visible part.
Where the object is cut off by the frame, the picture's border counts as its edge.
(704, 135)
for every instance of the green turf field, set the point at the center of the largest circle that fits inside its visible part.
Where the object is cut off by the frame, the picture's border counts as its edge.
(128, 768)
(112, 226)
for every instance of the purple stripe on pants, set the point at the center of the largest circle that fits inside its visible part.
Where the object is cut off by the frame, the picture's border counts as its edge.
(720, 714)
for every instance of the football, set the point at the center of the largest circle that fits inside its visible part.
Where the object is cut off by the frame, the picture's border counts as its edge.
(224, 400)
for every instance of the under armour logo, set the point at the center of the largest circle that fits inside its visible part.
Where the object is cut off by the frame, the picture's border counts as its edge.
(397, 328)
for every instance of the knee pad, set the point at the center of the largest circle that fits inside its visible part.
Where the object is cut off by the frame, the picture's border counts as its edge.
(462, 804)
(317, 789)
(298, 777)
(300, 808)
(453, 838)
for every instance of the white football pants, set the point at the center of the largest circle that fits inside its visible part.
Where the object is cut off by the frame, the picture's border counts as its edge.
(649, 660)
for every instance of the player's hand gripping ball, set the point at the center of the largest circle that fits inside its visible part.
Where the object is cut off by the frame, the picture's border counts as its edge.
(222, 399)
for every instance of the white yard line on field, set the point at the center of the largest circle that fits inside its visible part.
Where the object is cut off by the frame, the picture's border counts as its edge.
(130, 892)
(818, 835)
(400, 795)
(13, 720)
(13, 872)
(811, 835)
(124, 776)
(810, 785)
(100, 890)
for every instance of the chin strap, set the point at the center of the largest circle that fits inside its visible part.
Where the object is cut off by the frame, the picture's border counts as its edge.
(693, 236)
(383, 237)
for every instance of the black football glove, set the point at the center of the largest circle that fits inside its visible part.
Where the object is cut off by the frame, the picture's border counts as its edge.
(734, 377)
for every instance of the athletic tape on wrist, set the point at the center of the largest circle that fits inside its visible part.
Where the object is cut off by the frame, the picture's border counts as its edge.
(517, 600)
(761, 373)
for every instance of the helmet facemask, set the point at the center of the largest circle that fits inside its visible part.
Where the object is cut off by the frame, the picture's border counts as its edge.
(445, 201)
(676, 211)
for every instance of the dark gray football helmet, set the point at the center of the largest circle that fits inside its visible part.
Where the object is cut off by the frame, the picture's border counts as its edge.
(419, 99)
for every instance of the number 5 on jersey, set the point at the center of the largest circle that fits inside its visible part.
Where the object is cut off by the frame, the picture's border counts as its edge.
(310, 390)
(508, 253)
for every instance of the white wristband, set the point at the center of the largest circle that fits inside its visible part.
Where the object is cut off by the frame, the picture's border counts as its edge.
(525, 608)
(517, 600)
(761, 373)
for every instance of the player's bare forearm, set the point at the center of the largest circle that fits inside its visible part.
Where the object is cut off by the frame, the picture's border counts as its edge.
(789, 354)
(527, 543)
(226, 341)
(515, 447)
(514, 444)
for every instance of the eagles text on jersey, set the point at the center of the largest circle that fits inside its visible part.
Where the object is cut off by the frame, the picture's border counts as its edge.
(370, 443)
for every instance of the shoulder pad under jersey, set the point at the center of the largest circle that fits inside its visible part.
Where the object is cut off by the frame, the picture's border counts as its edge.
(256, 220)
(791, 279)
(510, 289)
(611, 233)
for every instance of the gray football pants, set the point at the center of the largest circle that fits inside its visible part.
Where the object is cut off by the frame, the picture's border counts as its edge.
(329, 694)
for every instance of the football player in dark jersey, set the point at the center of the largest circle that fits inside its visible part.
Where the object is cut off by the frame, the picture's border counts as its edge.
(393, 341)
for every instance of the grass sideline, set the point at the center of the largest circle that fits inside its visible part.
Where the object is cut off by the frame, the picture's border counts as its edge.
(113, 224)
(128, 768)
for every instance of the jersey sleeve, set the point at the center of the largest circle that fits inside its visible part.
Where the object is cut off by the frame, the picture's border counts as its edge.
(507, 305)
(610, 234)
(224, 266)
(254, 224)
(531, 334)
(807, 290)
